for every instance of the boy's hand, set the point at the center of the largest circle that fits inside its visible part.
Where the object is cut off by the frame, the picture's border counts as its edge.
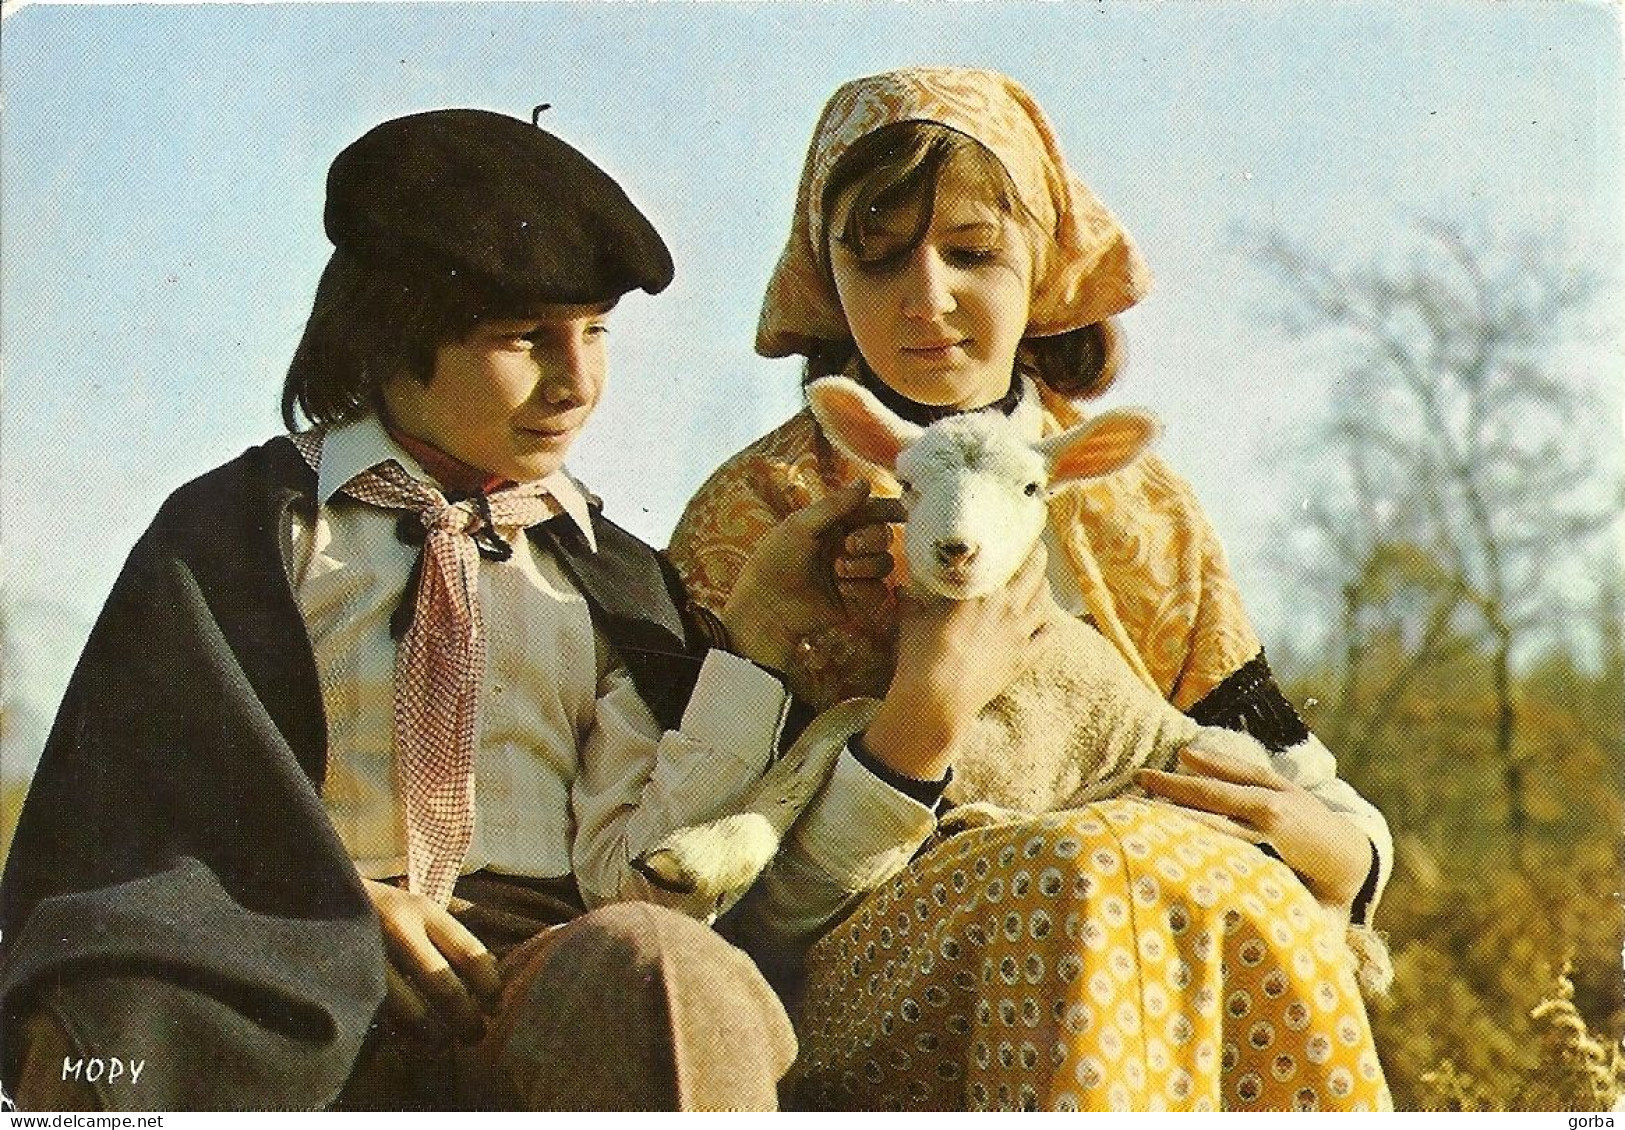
(863, 560)
(953, 658)
(438, 974)
(820, 565)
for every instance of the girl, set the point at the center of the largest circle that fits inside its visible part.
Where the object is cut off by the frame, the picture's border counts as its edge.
(1120, 956)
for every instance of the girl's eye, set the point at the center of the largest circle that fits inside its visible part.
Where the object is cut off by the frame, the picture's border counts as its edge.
(598, 329)
(880, 266)
(1031, 490)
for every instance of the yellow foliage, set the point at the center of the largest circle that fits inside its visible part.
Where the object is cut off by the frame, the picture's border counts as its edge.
(1508, 991)
(1576, 1071)
(11, 807)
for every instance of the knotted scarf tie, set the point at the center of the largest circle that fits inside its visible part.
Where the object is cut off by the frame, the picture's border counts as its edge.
(440, 660)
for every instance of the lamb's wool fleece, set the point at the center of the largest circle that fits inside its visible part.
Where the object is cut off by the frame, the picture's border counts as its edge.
(1071, 729)
(1076, 724)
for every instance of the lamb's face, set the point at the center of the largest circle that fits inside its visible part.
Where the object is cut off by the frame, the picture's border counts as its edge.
(974, 486)
(975, 495)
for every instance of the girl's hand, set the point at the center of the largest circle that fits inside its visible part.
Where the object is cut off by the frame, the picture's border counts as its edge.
(821, 565)
(1327, 850)
(438, 975)
(953, 658)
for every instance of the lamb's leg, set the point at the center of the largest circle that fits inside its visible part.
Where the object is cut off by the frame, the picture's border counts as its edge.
(706, 859)
(1175, 737)
(718, 861)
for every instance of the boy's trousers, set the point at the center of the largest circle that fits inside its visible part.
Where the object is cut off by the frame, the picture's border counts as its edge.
(628, 1007)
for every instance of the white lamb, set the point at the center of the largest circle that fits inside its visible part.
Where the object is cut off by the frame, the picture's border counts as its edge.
(1070, 729)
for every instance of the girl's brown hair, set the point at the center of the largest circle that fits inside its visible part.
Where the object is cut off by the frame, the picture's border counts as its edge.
(371, 322)
(894, 173)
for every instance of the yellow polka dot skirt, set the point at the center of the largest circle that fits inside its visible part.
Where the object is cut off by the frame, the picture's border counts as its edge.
(1117, 957)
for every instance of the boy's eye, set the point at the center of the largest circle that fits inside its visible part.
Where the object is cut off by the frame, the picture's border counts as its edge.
(527, 340)
(1031, 490)
(516, 338)
(973, 256)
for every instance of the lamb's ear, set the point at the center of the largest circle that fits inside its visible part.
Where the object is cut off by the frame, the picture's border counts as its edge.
(857, 423)
(1097, 447)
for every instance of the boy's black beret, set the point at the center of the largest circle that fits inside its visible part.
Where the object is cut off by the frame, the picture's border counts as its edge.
(505, 205)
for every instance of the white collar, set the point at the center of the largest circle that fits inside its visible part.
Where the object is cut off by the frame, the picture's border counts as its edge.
(349, 449)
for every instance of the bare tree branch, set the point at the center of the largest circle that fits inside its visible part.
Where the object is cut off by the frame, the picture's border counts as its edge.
(1453, 473)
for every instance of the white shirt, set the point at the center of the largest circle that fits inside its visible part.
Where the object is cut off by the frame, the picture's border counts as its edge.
(572, 773)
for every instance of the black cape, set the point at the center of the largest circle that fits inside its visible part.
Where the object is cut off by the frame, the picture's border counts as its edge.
(175, 891)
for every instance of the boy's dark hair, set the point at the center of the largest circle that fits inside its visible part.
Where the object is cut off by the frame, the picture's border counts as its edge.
(895, 171)
(370, 322)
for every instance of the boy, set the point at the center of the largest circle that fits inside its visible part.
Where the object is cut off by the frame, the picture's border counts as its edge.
(398, 671)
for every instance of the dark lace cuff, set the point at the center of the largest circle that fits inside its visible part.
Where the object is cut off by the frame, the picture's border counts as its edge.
(1360, 912)
(1251, 701)
(927, 793)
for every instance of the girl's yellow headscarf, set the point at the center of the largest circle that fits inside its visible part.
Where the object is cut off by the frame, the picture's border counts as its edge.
(1091, 272)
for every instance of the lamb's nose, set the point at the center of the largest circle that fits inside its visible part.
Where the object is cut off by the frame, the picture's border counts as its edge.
(955, 553)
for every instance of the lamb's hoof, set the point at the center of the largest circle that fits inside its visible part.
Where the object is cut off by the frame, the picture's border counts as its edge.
(664, 868)
(711, 860)
(977, 814)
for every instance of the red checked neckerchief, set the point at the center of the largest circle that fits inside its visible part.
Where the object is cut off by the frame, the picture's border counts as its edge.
(440, 661)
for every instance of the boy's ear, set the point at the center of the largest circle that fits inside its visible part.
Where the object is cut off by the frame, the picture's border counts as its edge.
(1099, 446)
(858, 424)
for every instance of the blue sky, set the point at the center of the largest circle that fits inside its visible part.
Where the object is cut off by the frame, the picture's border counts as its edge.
(161, 173)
